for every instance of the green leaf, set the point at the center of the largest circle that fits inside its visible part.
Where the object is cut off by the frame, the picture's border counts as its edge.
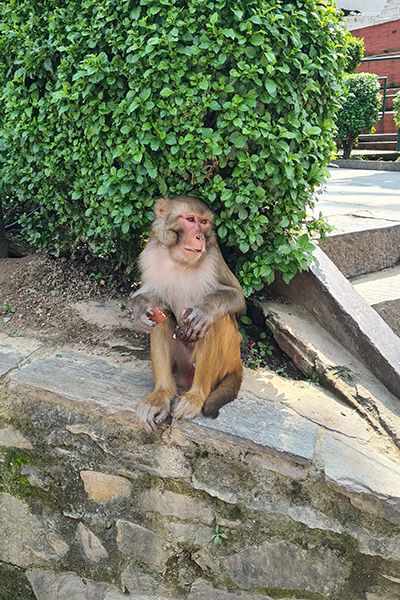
(257, 39)
(166, 92)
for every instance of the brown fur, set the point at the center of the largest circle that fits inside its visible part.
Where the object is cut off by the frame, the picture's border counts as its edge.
(173, 279)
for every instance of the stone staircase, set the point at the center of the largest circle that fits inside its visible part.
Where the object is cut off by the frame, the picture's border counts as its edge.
(370, 259)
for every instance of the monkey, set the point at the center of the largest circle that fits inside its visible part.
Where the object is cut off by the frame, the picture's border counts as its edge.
(186, 278)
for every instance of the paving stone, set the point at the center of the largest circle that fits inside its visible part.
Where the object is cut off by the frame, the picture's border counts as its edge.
(14, 350)
(369, 479)
(93, 383)
(26, 539)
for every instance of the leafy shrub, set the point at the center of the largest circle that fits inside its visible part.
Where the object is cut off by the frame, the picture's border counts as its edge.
(396, 108)
(354, 53)
(108, 105)
(359, 110)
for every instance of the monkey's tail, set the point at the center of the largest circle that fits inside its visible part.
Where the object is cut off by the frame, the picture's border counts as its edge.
(226, 391)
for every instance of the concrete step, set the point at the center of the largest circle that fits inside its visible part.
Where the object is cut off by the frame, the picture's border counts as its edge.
(373, 145)
(363, 245)
(382, 291)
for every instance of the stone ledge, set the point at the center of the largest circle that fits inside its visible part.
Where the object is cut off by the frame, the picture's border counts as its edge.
(369, 165)
(288, 474)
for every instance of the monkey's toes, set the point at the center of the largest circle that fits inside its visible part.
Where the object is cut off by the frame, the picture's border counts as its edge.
(186, 408)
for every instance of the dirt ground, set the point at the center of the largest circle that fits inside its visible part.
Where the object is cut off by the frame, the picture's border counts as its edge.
(48, 298)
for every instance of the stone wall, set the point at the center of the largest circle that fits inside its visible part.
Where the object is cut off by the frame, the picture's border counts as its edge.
(91, 508)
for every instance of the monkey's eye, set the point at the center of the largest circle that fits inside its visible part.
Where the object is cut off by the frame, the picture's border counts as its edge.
(204, 221)
(191, 219)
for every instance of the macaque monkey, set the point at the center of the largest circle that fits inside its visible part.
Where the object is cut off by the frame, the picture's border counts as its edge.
(195, 350)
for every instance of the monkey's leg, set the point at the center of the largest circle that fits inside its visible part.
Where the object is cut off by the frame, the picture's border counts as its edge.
(155, 408)
(225, 392)
(218, 367)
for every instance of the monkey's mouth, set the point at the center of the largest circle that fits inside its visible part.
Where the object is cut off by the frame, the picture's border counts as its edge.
(193, 250)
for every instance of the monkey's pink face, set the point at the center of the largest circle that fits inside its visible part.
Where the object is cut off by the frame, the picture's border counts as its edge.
(193, 239)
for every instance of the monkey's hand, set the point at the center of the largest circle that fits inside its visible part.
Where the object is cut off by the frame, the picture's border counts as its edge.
(144, 322)
(153, 410)
(195, 323)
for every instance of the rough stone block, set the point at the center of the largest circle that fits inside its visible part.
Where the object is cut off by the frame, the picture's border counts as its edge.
(286, 566)
(13, 351)
(141, 544)
(177, 505)
(369, 479)
(12, 438)
(27, 540)
(49, 585)
(101, 487)
(92, 546)
(136, 582)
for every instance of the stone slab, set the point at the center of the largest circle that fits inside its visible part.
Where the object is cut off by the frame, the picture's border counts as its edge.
(86, 380)
(15, 350)
(266, 424)
(94, 384)
(330, 298)
(350, 246)
(369, 479)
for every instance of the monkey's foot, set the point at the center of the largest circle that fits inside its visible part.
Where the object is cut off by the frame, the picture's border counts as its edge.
(187, 406)
(153, 410)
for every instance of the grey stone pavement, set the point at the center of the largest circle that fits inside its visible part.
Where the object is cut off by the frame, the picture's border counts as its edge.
(354, 199)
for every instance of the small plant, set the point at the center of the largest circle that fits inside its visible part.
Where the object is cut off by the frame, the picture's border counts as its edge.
(8, 310)
(218, 537)
(258, 353)
(314, 378)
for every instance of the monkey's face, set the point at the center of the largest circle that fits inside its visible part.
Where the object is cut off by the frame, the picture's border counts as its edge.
(192, 231)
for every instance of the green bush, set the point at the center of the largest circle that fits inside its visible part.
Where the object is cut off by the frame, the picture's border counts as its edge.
(359, 110)
(396, 108)
(108, 105)
(354, 53)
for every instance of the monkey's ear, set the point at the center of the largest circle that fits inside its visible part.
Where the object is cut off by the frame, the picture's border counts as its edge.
(161, 208)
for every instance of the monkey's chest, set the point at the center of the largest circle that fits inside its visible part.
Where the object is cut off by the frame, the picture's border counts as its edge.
(181, 287)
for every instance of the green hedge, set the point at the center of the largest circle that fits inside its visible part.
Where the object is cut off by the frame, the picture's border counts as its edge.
(108, 105)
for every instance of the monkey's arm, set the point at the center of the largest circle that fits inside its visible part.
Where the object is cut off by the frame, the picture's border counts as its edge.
(228, 298)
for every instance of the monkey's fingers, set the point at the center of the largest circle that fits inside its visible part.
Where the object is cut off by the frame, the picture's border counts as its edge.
(145, 322)
(149, 415)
